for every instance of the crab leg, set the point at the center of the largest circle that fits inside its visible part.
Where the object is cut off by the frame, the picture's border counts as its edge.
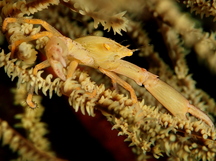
(15, 44)
(72, 67)
(39, 66)
(165, 94)
(31, 21)
(121, 82)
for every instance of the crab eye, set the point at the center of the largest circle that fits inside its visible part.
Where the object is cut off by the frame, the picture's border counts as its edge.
(107, 46)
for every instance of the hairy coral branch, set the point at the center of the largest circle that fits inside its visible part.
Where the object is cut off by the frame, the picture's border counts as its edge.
(21, 8)
(132, 120)
(206, 8)
(104, 16)
(19, 144)
(31, 120)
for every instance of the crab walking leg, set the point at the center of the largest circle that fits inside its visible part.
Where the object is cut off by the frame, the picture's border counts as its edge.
(47, 26)
(121, 82)
(29, 98)
(72, 67)
(15, 44)
(39, 66)
(165, 94)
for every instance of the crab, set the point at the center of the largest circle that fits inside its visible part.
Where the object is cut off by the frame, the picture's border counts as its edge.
(105, 55)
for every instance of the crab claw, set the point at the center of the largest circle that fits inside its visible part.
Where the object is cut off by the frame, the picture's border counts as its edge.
(58, 68)
(173, 100)
(56, 51)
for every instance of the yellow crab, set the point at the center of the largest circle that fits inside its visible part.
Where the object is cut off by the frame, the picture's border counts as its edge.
(105, 55)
